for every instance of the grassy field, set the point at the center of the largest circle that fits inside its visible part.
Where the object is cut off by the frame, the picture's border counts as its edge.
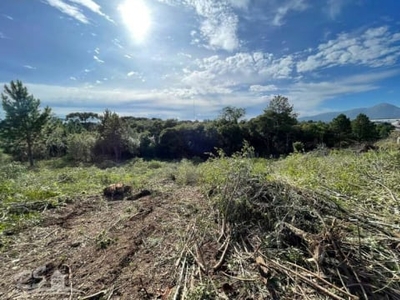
(320, 225)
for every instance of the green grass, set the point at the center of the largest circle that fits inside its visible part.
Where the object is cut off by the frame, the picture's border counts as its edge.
(25, 192)
(257, 197)
(368, 181)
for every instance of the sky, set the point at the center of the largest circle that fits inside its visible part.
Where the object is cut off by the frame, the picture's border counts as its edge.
(188, 59)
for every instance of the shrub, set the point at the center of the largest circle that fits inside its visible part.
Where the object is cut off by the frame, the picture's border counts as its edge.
(80, 146)
(298, 147)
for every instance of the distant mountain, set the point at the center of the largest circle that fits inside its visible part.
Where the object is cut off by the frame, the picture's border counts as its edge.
(380, 111)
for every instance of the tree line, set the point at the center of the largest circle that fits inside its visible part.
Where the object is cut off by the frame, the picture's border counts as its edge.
(29, 132)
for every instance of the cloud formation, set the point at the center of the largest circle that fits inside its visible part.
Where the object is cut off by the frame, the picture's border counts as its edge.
(8, 17)
(96, 58)
(335, 7)
(245, 67)
(307, 95)
(262, 88)
(287, 6)
(375, 47)
(93, 6)
(209, 52)
(75, 12)
(69, 10)
(219, 23)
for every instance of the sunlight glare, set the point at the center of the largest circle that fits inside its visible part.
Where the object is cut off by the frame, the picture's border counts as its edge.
(136, 16)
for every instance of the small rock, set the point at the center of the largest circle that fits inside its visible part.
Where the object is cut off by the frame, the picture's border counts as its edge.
(75, 244)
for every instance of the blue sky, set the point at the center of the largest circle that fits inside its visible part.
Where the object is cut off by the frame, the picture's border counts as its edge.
(188, 59)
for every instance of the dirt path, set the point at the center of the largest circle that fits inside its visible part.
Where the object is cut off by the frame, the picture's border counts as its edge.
(114, 250)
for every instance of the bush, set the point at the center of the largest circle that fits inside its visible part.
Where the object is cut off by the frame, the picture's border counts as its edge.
(80, 146)
(298, 147)
(187, 173)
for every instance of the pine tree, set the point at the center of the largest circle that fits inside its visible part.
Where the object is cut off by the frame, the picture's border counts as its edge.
(363, 129)
(23, 121)
(341, 127)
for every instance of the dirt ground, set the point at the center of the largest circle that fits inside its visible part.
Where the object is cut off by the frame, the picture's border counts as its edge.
(99, 249)
(173, 244)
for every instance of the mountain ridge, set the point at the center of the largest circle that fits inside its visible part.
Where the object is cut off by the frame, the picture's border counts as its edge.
(379, 111)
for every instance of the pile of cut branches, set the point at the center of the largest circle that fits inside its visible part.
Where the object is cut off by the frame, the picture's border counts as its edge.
(276, 241)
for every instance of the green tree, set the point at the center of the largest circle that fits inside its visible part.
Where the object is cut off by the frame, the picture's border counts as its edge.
(111, 134)
(280, 105)
(313, 134)
(54, 141)
(363, 129)
(231, 114)
(229, 130)
(172, 144)
(274, 129)
(384, 130)
(24, 120)
(341, 127)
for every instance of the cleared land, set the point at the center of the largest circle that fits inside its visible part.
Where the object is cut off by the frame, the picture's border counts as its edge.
(311, 226)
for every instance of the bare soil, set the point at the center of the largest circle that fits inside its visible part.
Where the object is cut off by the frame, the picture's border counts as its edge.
(282, 243)
(99, 249)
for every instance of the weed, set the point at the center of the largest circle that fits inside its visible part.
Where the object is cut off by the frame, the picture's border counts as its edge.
(103, 241)
(187, 173)
(202, 292)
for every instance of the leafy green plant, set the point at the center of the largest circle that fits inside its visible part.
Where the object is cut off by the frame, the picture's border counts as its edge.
(80, 146)
(187, 173)
(103, 241)
(298, 147)
(202, 292)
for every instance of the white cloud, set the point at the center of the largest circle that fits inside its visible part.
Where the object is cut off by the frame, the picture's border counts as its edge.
(335, 7)
(307, 95)
(285, 8)
(98, 59)
(186, 55)
(117, 43)
(164, 103)
(205, 83)
(245, 66)
(2, 35)
(93, 6)
(29, 67)
(209, 95)
(8, 17)
(136, 75)
(170, 2)
(219, 24)
(262, 88)
(217, 75)
(376, 47)
(73, 78)
(69, 10)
